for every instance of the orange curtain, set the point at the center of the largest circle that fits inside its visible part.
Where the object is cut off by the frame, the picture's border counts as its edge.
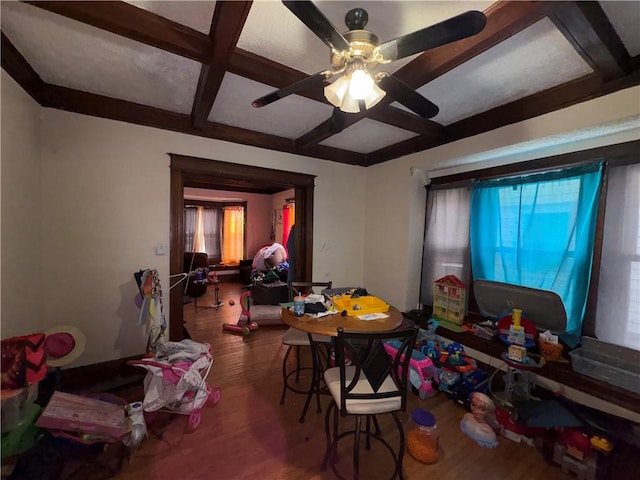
(288, 219)
(233, 235)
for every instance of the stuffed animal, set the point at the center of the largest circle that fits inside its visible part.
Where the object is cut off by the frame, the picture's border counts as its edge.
(269, 257)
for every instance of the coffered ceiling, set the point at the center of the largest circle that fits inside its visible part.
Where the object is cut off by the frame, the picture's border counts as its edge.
(195, 67)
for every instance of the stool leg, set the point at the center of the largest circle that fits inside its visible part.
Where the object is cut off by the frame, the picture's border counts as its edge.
(368, 439)
(401, 448)
(375, 423)
(284, 374)
(315, 383)
(356, 450)
(327, 430)
(297, 363)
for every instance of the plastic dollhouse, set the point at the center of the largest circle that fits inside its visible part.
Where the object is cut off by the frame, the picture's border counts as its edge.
(450, 299)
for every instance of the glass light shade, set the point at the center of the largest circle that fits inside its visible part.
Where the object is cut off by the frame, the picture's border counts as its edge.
(340, 94)
(336, 91)
(360, 85)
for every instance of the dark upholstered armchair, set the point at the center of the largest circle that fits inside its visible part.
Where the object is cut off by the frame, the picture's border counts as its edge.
(193, 261)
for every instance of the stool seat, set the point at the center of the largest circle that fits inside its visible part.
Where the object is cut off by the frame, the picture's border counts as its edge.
(298, 338)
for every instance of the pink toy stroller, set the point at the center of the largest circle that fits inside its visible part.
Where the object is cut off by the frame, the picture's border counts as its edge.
(176, 381)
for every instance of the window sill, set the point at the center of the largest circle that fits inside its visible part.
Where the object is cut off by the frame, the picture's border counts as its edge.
(559, 372)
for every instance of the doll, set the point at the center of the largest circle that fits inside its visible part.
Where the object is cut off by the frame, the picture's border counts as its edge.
(478, 424)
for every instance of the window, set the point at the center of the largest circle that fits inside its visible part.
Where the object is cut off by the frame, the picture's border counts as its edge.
(538, 231)
(205, 232)
(618, 310)
(446, 239)
(611, 310)
(233, 235)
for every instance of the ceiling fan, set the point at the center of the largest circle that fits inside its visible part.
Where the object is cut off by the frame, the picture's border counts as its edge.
(356, 55)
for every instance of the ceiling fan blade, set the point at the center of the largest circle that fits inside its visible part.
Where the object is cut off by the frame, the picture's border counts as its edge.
(456, 28)
(304, 84)
(337, 121)
(407, 96)
(313, 18)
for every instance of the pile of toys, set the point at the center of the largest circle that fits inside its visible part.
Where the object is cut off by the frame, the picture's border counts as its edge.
(447, 368)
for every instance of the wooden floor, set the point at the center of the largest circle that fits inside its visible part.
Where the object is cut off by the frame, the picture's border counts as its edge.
(249, 435)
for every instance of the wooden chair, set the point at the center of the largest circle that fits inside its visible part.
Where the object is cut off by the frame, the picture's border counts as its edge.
(297, 338)
(367, 382)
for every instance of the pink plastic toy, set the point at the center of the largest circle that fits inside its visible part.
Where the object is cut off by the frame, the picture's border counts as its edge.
(423, 373)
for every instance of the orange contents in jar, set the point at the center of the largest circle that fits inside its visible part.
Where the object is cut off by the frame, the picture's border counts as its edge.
(422, 447)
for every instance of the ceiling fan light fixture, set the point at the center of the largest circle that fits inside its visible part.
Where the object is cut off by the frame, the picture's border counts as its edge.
(348, 91)
(337, 91)
(360, 85)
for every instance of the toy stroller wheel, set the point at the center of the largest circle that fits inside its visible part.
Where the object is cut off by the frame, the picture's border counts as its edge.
(214, 396)
(246, 332)
(255, 325)
(194, 420)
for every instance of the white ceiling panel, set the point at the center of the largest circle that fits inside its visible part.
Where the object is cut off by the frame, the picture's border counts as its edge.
(368, 136)
(92, 60)
(289, 117)
(197, 15)
(272, 31)
(535, 59)
(625, 19)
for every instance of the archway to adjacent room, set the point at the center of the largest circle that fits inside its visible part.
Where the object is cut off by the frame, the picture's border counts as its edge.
(213, 174)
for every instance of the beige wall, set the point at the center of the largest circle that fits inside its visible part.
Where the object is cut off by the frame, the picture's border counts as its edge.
(21, 308)
(395, 196)
(258, 213)
(102, 204)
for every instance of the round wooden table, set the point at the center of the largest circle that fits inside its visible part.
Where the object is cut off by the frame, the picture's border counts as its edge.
(328, 325)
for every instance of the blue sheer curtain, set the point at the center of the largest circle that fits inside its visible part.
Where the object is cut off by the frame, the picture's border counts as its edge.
(538, 231)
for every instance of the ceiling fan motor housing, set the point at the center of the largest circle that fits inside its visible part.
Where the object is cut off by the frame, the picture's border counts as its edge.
(363, 44)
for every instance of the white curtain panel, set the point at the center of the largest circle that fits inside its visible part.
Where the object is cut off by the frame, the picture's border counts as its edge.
(618, 311)
(446, 241)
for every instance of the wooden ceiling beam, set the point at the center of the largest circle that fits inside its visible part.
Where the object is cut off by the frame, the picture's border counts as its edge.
(76, 101)
(552, 99)
(226, 26)
(135, 23)
(405, 120)
(328, 128)
(504, 19)
(263, 70)
(587, 28)
(19, 69)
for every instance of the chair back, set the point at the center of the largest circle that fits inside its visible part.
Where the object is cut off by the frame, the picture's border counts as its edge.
(300, 288)
(195, 260)
(363, 361)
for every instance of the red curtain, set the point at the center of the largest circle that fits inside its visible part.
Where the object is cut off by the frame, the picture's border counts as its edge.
(288, 219)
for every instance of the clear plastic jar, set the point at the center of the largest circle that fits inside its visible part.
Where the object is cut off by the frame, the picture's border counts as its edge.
(422, 436)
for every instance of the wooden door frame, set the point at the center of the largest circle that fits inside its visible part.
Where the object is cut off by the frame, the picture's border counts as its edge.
(198, 172)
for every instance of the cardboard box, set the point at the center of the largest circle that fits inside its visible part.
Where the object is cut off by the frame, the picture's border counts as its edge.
(66, 411)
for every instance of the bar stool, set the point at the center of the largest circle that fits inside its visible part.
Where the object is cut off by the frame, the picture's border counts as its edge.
(296, 338)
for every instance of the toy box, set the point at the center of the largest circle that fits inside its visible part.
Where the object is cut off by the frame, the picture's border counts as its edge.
(610, 363)
(66, 411)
